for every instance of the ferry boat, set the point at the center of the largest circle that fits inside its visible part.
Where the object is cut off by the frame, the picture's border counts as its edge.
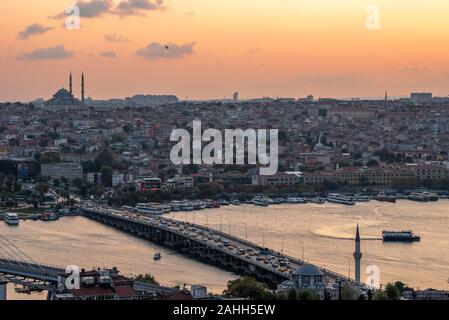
(157, 256)
(360, 198)
(418, 196)
(384, 198)
(318, 200)
(146, 208)
(235, 202)
(341, 199)
(209, 204)
(295, 200)
(11, 219)
(431, 196)
(260, 202)
(187, 206)
(399, 236)
(278, 200)
(224, 202)
(175, 206)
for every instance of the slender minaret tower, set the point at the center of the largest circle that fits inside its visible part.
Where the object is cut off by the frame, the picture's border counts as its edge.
(386, 95)
(82, 88)
(357, 256)
(70, 83)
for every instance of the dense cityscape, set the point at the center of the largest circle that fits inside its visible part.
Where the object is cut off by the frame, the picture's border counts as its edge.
(59, 153)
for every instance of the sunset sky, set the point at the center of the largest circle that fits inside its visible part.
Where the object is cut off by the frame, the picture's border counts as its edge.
(288, 48)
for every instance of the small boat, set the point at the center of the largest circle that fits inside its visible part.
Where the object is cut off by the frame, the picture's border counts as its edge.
(295, 200)
(11, 219)
(260, 202)
(235, 202)
(384, 198)
(360, 198)
(157, 256)
(318, 200)
(418, 196)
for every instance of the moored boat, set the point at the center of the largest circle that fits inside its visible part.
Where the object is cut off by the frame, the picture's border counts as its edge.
(400, 236)
(340, 199)
(11, 219)
(385, 198)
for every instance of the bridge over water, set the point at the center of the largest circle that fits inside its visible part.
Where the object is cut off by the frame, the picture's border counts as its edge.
(17, 267)
(207, 245)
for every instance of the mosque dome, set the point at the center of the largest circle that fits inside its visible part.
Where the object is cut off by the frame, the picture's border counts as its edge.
(308, 270)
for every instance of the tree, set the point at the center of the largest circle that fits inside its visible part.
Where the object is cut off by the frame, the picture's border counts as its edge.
(348, 293)
(392, 292)
(103, 159)
(147, 278)
(245, 287)
(292, 294)
(308, 295)
(106, 176)
(42, 188)
(77, 182)
(380, 295)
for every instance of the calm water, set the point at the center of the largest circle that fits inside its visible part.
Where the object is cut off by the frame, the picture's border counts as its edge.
(80, 241)
(325, 231)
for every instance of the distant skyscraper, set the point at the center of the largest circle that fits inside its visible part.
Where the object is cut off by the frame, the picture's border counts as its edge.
(235, 97)
(82, 88)
(357, 255)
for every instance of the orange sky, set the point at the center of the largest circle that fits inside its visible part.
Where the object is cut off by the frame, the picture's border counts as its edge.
(257, 47)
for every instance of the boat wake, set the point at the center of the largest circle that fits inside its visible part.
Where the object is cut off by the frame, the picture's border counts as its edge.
(332, 234)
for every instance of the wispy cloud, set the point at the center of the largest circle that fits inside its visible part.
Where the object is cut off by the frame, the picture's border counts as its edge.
(51, 53)
(108, 54)
(113, 37)
(138, 7)
(32, 30)
(156, 51)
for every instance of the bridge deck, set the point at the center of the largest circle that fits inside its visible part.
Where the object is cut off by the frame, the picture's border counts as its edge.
(235, 247)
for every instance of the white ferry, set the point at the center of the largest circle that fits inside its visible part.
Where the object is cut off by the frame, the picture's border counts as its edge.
(187, 206)
(147, 208)
(360, 198)
(295, 200)
(259, 202)
(11, 219)
(341, 199)
(318, 200)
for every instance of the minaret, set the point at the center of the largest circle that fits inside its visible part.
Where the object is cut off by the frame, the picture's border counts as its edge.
(70, 83)
(386, 95)
(357, 256)
(82, 88)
